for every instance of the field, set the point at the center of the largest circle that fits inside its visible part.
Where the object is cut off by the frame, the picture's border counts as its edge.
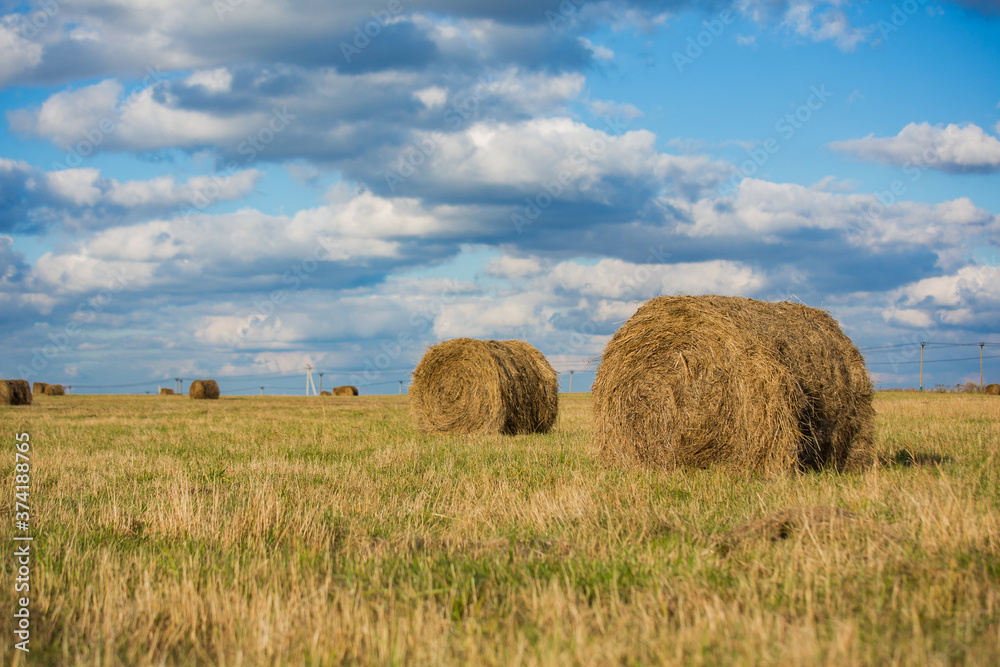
(272, 531)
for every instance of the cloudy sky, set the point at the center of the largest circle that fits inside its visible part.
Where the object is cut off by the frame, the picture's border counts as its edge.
(236, 188)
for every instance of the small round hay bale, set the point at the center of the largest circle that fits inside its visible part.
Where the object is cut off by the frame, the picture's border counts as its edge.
(15, 392)
(325, 393)
(55, 390)
(166, 391)
(992, 390)
(484, 386)
(38, 388)
(204, 389)
(346, 390)
(748, 385)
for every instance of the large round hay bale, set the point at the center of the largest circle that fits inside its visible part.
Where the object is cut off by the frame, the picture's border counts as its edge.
(38, 388)
(748, 385)
(166, 391)
(992, 390)
(55, 390)
(484, 386)
(15, 392)
(346, 390)
(204, 389)
(325, 393)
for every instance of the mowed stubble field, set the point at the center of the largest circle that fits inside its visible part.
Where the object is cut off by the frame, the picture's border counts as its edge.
(273, 530)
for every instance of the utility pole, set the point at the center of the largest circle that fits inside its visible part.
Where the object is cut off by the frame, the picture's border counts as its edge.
(922, 366)
(321, 383)
(178, 382)
(981, 367)
(261, 391)
(400, 387)
(571, 382)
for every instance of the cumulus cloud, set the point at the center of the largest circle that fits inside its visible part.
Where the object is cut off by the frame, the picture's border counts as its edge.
(772, 212)
(32, 199)
(566, 159)
(952, 148)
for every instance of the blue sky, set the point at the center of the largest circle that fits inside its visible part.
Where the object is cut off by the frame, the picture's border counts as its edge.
(236, 189)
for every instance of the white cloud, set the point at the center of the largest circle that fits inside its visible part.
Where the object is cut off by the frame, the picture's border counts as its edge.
(17, 54)
(431, 97)
(616, 279)
(608, 109)
(821, 22)
(100, 116)
(766, 210)
(600, 52)
(578, 158)
(952, 148)
(217, 80)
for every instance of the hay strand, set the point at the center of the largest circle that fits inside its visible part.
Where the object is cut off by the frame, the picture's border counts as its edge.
(346, 390)
(15, 392)
(484, 386)
(204, 389)
(749, 385)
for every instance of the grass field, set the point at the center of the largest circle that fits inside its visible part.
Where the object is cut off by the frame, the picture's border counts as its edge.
(272, 531)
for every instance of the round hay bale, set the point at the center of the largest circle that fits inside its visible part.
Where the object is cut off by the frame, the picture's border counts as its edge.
(325, 393)
(166, 391)
(15, 392)
(55, 390)
(38, 388)
(346, 390)
(748, 385)
(207, 389)
(992, 390)
(484, 386)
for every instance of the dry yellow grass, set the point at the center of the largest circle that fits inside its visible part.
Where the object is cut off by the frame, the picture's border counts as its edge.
(262, 531)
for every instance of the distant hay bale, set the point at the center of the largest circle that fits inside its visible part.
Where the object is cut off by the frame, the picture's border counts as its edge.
(484, 386)
(748, 385)
(346, 390)
(325, 393)
(15, 392)
(992, 390)
(39, 388)
(55, 390)
(204, 389)
(166, 391)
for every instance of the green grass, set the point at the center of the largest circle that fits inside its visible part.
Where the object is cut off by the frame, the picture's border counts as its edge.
(265, 530)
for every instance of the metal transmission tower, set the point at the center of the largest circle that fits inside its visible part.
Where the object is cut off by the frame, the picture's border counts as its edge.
(310, 385)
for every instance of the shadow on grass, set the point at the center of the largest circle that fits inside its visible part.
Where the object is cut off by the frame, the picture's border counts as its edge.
(906, 458)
